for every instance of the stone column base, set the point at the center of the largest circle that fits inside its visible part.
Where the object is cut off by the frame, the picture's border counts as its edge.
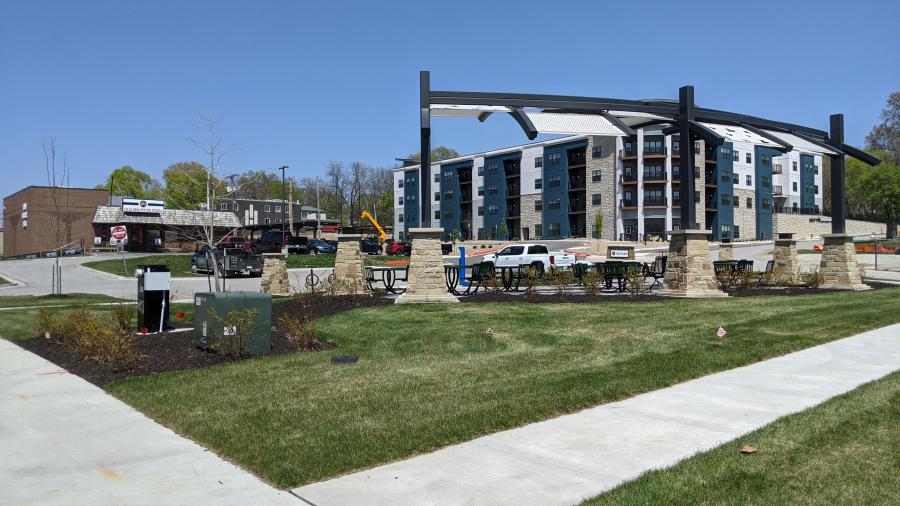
(426, 269)
(348, 263)
(726, 251)
(838, 266)
(689, 271)
(787, 266)
(274, 279)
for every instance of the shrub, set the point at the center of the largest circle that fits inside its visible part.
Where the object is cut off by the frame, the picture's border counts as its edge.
(813, 278)
(44, 323)
(103, 338)
(123, 314)
(728, 278)
(531, 277)
(492, 284)
(747, 279)
(591, 282)
(634, 280)
(237, 326)
(299, 331)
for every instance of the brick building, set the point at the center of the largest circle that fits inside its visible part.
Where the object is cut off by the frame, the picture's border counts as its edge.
(39, 219)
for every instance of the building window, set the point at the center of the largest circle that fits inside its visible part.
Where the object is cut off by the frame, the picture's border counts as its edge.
(794, 166)
(223, 206)
(448, 195)
(538, 183)
(653, 147)
(268, 220)
(411, 198)
(553, 159)
(277, 209)
(815, 170)
(736, 156)
(737, 232)
(595, 199)
(749, 160)
(749, 202)
(480, 210)
(492, 168)
(448, 175)
(595, 175)
(553, 230)
(596, 151)
(766, 204)
(794, 185)
(400, 201)
(816, 189)
(766, 181)
(554, 204)
(749, 180)
(538, 205)
(492, 189)
(437, 177)
(480, 191)
(726, 199)
(725, 177)
(538, 162)
(537, 230)
(696, 196)
(765, 160)
(437, 196)
(676, 196)
(726, 231)
(654, 198)
(654, 172)
(268, 209)
(555, 181)
(400, 218)
(676, 146)
(437, 214)
(399, 183)
(493, 209)
(736, 201)
(481, 170)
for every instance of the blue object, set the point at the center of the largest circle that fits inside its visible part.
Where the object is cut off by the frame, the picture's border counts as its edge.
(462, 267)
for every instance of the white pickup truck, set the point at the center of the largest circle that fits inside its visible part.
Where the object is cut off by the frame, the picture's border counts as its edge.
(529, 254)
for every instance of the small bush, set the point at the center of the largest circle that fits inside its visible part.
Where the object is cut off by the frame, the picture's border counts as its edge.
(532, 277)
(123, 315)
(634, 280)
(492, 284)
(103, 338)
(238, 326)
(747, 279)
(591, 283)
(299, 331)
(813, 278)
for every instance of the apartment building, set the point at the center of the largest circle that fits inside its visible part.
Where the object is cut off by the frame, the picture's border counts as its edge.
(557, 188)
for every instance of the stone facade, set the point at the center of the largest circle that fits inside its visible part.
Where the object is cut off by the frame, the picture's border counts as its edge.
(274, 278)
(689, 271)
(838, 265)
(807, 226)
(787, 266)
(726, 251)
(606, 187)
(528, 216)
(745, 217)
(426, 269)
(699, 186)
(348, 262)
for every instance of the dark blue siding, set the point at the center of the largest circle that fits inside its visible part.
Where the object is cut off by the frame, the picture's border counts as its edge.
(764, 202)
(449, 206)
(558, 216)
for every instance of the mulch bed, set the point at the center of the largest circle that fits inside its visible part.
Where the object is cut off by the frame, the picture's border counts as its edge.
(174, 351)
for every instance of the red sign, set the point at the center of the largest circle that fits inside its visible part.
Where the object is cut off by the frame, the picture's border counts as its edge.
(119, 233)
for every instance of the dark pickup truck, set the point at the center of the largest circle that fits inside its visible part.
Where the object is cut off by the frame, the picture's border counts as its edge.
(231, 262)
(271, 242)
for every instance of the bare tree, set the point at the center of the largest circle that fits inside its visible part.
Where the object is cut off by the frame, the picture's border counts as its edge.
(337, 184)
(59, 197)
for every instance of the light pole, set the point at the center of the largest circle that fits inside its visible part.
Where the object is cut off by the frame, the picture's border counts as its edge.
(283, 203)
(318, 215)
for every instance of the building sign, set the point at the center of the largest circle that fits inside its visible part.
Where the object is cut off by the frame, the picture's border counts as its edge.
(141, 206)
(618, 253)
(118, 232)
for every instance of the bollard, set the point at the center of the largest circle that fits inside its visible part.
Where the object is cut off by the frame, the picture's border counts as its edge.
(462, 267)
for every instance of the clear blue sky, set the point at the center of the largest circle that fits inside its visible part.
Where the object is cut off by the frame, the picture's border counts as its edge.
(303, 83)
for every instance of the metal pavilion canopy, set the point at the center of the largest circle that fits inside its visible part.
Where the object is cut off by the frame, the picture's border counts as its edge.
(558, 114)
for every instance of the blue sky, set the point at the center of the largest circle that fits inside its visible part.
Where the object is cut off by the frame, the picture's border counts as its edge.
(304, 83)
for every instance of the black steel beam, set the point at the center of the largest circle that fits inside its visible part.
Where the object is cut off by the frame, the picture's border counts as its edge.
(483, 116)
(861, 155)
(706, 134)
(425, 147)
(714, 116)
(652, 122)
(836, 140)
(784, 146)
(824, 144)
(686, 163)
(524, 121)
(627, 130)
(544, 101)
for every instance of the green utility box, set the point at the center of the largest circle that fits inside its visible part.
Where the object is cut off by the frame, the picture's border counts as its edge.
(211, 315)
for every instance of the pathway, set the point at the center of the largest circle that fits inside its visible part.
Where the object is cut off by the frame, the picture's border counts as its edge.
(577, 456)
(64, 441)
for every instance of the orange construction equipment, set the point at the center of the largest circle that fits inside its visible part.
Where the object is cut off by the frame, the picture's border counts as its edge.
(382, 235)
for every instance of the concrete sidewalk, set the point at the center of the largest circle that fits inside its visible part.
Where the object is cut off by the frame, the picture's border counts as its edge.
(574, 457)
(64, 441)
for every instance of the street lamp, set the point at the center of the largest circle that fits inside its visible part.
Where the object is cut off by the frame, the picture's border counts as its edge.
(283, 203)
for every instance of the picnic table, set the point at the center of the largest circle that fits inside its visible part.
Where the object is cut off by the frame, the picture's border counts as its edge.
(388, 276)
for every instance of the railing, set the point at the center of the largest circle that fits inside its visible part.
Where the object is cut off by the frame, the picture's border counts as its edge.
(512, 189)
(654, 202)
(654, 176)
(777, 190)
(776, 169)
(576, 183)
(576, 206)
(661, 151)
(812, 211)
(512, 210)
(629, 178)
(625, 153)
(627, 203)
(577, 158)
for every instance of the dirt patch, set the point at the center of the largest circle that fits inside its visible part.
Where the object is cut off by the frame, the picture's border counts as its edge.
(175, 351)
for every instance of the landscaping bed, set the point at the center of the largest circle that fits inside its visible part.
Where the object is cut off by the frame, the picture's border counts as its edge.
(174, 351)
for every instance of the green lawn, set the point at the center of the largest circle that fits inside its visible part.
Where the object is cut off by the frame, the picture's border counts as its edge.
(307, 261)
(19, 324)
(4, 281)
(179, 265)
(429, 376)
(843, 451)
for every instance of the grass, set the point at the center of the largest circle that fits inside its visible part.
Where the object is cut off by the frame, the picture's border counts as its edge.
(179, 265)
(312, 261)
(429, 376)
(18, 324)
(4, 281)
(843, 451)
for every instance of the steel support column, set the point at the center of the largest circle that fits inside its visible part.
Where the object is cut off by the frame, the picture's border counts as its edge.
(836, 140)
(686, 152)
(425, 147)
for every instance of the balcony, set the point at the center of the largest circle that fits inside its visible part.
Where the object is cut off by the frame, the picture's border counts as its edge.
(660, 152)
(576, 158)
(512, 211)
(627, 154)
(777, 190)
(629, 178)
(577, 206)
(627, 204)
(512, 190)
(576, 183)
(776, 169)
(655, 202)
(657, 177)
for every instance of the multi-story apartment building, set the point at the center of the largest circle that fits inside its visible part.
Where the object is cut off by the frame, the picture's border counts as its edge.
(557, 188)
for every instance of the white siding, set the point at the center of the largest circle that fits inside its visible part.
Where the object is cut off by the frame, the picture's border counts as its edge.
(529, 171)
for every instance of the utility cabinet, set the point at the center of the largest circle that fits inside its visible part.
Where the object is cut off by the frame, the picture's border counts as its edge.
(153, 297)
(211, 315)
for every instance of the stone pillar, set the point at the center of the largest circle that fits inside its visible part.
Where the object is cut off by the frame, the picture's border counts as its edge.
(838, 265)
(726, 250)
(689, 271)
(620, 251)
(787, 266)
(348, 262)
(274, 278)
(426, 269)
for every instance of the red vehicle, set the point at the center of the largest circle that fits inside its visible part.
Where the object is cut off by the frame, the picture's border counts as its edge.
(399, 248)
(232, 241)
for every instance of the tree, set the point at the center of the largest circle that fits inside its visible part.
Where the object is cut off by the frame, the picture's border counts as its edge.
(886, 135)
(598, 226)
(130, 182)
(437, 154)
(503, 231)
(186, 185)
(874, 190)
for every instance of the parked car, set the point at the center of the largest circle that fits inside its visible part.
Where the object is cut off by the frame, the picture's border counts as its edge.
(537, 255)
(446, 248)
(399, 248)
(233, 241)
(320, 247)
(271, 241)
(230, 261)
(370, 247)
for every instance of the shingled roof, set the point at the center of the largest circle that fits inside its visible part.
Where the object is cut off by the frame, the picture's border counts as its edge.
(169, 217)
